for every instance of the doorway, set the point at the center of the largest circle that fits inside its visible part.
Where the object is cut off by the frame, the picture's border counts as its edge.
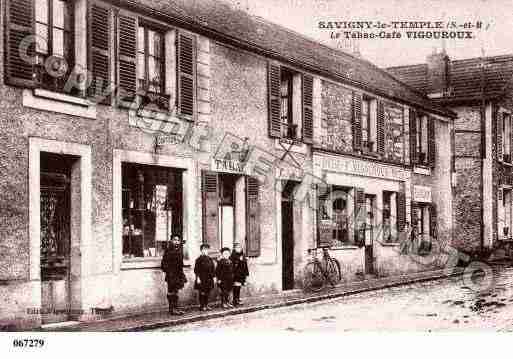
(287, 235)
(370, 204)
(55, 248)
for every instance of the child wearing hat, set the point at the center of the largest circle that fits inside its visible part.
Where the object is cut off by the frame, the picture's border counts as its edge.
(224, 274)
(240, 272)
(204, 269)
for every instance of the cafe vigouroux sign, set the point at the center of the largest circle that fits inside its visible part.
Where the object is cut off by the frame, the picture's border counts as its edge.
(360, 168)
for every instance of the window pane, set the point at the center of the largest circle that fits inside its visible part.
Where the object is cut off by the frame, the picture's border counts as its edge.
(42, 38)
(157, 44)
(42, 11)
(140, 66)
(140, 39)
(151, 42)
(58, 13)
(58, 42)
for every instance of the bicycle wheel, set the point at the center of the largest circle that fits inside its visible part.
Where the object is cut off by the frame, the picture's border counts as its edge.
(333, 271)
(313, 279)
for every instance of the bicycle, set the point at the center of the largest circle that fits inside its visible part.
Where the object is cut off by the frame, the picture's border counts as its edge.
(318, 273)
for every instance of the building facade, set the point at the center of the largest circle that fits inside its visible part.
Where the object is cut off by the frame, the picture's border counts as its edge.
(124, 123)
(478, 90)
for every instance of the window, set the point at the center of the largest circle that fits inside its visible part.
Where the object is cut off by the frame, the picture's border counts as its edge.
(334, 214)
(390, 215)
(150, 60)
(289, 128)
(421, 227)
(151, 208)
(54, 37)
(505, 216)
(369, 123)
(506, 137)
(422, 139)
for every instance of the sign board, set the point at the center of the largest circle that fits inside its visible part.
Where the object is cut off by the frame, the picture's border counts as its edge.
(228, 166)
(326, 227)
(422, 194)
(360, 168)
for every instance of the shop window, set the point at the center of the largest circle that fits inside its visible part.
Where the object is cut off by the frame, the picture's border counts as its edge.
(369, 123)
(334, 217)
(506, 137)
(151, 209)
(391, 213)
(54, 38)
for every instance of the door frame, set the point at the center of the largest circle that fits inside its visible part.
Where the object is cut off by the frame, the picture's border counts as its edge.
(82, 254)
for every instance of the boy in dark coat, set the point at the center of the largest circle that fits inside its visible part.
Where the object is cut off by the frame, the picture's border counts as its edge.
(172, 266)
(205, 271)
(240, 272)
(224, 274)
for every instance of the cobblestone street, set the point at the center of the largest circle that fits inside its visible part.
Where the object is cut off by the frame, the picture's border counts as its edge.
(440, 305)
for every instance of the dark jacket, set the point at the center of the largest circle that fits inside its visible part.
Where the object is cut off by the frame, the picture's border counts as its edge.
(172, 265)
(224, 273)
(205, 270)
(240, 267)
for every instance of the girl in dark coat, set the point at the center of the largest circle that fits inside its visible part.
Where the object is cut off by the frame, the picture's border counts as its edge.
(240, 272)
(205, 271)
(224, 274)
(172, 266)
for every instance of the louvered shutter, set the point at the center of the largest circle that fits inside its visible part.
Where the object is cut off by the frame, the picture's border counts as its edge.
(431, 142)
(414, 217)
(253, 217)
(381, 128)
(19, 22)
(186, 54)
(413, 137)
(500, 212)
(433, 221)
(274, 84)
(500, 128)
(360, 216)
(307, 108)
(401, 211)
(127, 58)
(210, 210)
(99, 52)
(356, 123)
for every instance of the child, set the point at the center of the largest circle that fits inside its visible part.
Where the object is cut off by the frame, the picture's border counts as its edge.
(240, 272)
(224, 274)
(204, 268)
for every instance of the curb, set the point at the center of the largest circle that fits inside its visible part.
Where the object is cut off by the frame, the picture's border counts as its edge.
(285, 303)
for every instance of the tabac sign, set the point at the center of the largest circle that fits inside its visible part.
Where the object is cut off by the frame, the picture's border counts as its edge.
(360, 168)
(228, 165)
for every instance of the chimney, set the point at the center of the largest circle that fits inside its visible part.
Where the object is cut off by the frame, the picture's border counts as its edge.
(437, 74)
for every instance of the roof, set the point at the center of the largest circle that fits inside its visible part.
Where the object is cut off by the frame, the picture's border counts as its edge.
(465, 77)
(218, 20)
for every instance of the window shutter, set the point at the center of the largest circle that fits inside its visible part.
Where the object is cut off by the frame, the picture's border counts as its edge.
(19, 21)
(210, 210)
(127, 58)
(433, 221)
(186, 54)
(381, 128)
(307, 108)
(360, 216)
(401, 211)
(413, 137)
(500, 127)
(99, 52)
(414, 217)
(274, 83)
(323, 199)
(357, 121)
(431, 142)
(253, 217)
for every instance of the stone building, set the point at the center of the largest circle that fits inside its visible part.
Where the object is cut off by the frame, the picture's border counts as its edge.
(125, 122)
(478, 90)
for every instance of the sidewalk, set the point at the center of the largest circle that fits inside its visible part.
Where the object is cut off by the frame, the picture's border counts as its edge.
(162, 319)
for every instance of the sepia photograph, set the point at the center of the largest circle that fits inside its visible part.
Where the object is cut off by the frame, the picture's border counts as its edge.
(290, 166)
